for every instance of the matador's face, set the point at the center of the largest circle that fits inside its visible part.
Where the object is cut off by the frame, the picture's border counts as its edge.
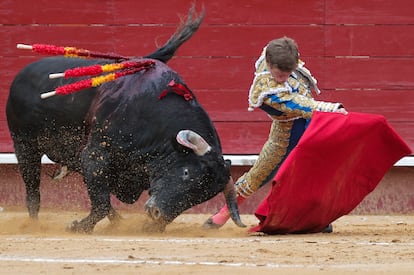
(279, 75)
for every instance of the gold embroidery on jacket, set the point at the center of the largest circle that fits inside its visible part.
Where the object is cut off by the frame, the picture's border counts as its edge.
(271, 155)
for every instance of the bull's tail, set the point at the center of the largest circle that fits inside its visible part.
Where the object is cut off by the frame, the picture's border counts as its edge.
(184, 32)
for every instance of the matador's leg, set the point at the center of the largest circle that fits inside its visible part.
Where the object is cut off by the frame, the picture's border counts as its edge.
(273, 153)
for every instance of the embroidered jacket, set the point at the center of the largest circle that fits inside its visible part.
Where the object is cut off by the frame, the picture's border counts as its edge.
(287, 101)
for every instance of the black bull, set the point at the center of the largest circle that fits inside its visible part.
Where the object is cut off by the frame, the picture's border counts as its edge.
(123, 137)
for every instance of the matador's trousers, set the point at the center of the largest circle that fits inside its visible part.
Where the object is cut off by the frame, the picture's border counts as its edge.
(283, 137)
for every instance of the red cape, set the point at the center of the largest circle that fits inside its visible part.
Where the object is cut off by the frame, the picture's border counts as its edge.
(337, 162)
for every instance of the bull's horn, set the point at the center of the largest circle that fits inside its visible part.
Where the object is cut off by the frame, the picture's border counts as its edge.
(231, 201)
(193, 141)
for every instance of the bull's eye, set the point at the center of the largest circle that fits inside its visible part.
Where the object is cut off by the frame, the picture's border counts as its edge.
(186, 173)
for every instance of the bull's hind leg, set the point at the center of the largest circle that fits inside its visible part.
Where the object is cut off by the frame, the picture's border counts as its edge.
(29, 164)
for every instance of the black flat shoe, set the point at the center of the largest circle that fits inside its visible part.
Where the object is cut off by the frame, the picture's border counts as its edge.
(328, 229)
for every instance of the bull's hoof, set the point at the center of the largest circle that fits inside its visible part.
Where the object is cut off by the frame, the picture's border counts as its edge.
(328, 229)
(114, 217)
(33, 213)
(34, 217)
(78, 227)
(209, 224)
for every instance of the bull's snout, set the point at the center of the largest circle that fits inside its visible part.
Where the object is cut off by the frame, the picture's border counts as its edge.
(158, 223)
(152, 210)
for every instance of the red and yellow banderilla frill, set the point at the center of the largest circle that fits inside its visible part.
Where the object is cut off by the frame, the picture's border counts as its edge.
(129, 68)
(69, 51)
(125, 68)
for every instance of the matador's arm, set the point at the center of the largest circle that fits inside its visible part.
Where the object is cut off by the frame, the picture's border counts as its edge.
(297, 105)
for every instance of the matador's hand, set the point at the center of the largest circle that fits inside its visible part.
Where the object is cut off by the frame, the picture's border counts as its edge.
(342, 111)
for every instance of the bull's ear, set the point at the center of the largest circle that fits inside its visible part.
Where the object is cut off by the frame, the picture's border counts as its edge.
(194, 141)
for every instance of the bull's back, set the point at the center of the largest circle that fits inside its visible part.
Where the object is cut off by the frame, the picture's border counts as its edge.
(52, 123)
(24, 105)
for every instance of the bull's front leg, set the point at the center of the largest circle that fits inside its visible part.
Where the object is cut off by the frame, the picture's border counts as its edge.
(87, 224)
(100, 208)
(95, 177)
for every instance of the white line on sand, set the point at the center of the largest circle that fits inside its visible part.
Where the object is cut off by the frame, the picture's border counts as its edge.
(200, 240)
(161, 261)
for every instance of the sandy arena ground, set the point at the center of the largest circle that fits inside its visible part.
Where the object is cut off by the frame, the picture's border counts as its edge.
(359, 245)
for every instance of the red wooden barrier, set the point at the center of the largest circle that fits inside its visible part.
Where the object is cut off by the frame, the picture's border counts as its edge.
(358, 50)
(394, 194)
(369, 12)
(159, 12)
